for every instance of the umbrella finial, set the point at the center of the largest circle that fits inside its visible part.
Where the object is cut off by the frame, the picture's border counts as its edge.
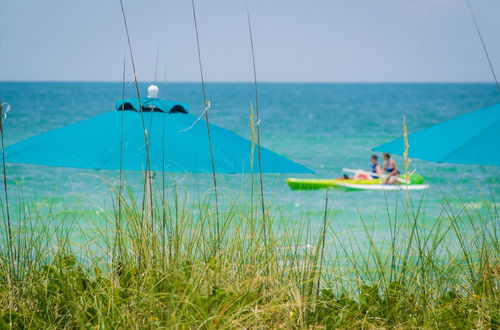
(153, 91)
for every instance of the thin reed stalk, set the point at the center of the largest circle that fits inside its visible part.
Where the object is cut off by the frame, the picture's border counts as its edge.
(6, 194)
(480, 35)
(163, 189)
(120, 186)
(252, 158)
(323, 239)
(146, 137)
(264, 224)
(206, 105)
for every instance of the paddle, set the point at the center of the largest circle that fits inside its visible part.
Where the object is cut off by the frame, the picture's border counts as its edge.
(373, 175)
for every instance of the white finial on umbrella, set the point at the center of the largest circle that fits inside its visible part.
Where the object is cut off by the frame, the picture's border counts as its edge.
(153, 91)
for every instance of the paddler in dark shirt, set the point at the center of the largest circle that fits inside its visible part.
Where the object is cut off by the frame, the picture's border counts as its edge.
(390, 168)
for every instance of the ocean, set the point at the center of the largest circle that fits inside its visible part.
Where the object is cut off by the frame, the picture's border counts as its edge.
(324, 126)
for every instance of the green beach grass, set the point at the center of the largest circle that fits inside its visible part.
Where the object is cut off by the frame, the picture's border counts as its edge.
(175, 272)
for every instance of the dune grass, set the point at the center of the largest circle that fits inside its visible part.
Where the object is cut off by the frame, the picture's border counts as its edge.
(174, 271)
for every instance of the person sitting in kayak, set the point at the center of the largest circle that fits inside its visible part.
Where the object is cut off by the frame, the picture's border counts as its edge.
(390, 168)
(376, 171)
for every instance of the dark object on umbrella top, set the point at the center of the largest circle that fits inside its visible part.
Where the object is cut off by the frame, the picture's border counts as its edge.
(473, 138)
(177, 143)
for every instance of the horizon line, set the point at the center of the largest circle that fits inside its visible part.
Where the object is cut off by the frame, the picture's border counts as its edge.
(246, 82)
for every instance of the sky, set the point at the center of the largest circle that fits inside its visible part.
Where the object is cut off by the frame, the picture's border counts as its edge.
(295, 40)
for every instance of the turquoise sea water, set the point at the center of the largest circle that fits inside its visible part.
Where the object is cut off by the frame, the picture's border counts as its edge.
(323, 126)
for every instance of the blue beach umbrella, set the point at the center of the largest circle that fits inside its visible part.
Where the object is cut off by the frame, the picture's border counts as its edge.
(178, 142)
(473, 138)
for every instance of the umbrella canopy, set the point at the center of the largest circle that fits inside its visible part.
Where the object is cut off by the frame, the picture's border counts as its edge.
(472, 138)
(177, 143)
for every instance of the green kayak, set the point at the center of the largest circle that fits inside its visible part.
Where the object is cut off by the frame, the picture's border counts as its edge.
(416, 182)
